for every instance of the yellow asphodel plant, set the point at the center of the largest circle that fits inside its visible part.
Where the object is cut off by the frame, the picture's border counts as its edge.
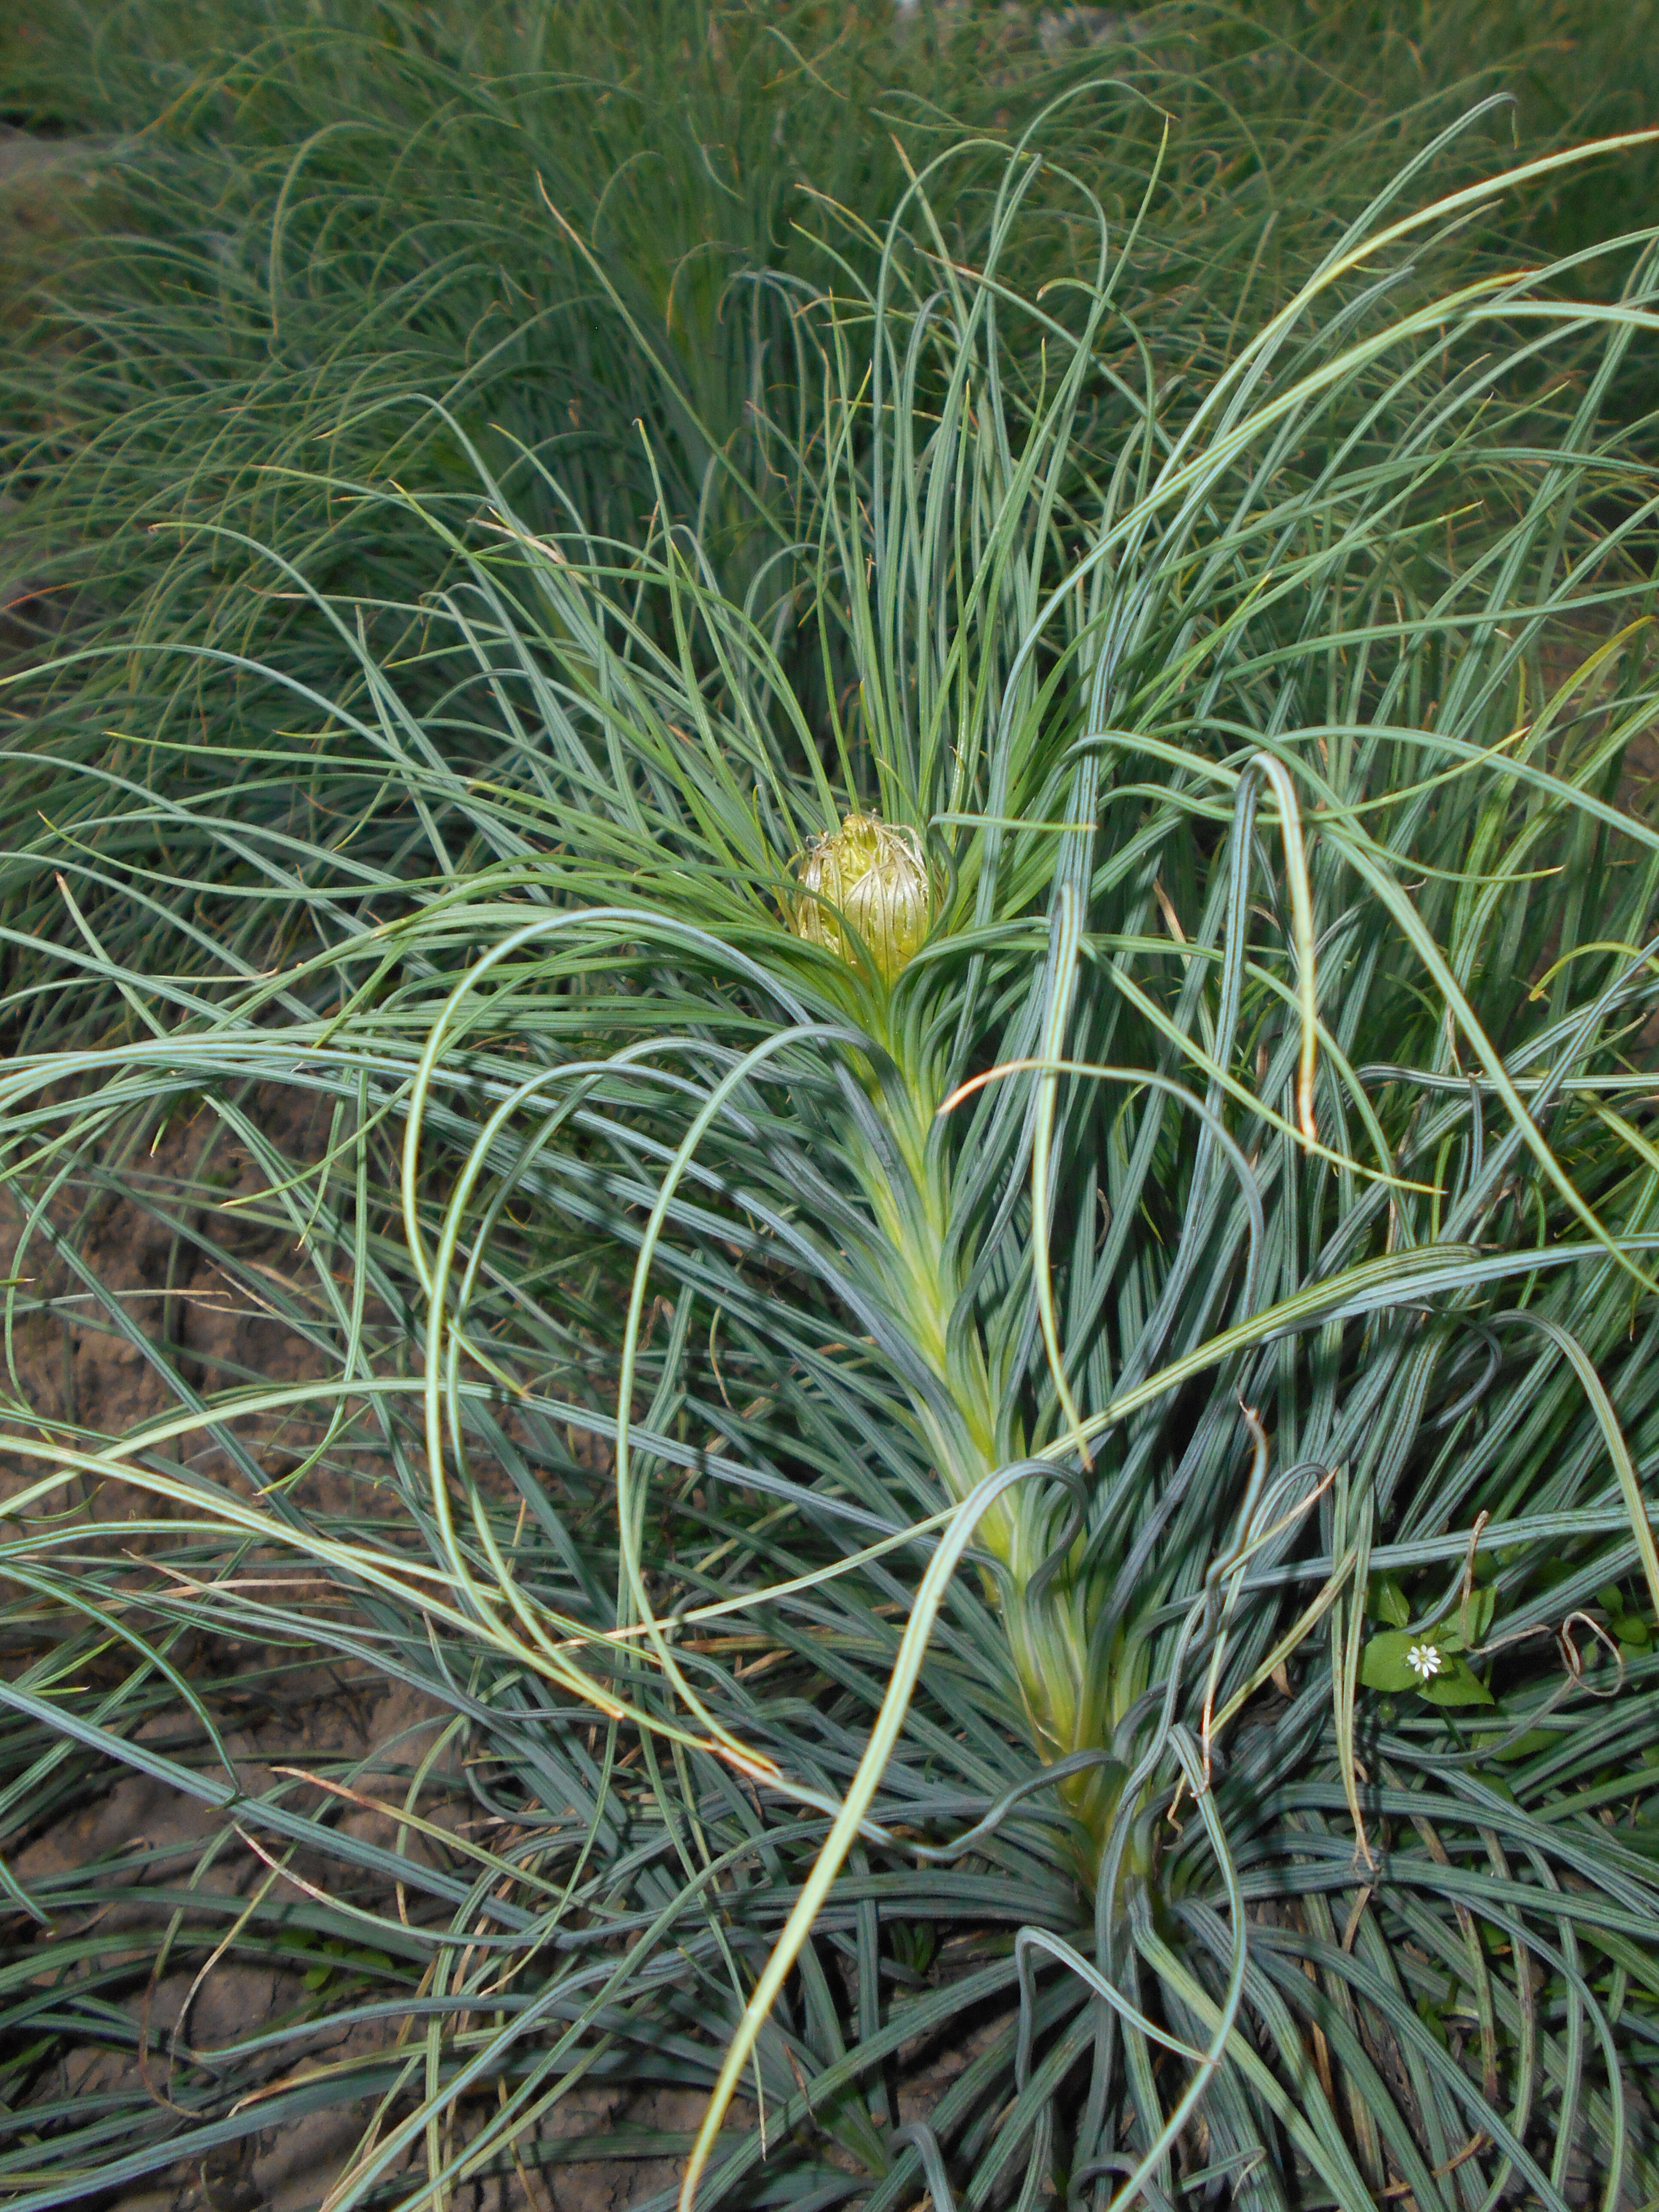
(1008, 1491)
(866, 889)
(864, 894)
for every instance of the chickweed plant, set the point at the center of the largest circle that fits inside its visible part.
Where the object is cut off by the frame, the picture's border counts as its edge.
(981, 1269)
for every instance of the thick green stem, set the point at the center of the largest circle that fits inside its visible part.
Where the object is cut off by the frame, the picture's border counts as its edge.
(1048, 1630)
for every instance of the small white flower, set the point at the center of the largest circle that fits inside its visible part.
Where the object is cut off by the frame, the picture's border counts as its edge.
(1424, 1660)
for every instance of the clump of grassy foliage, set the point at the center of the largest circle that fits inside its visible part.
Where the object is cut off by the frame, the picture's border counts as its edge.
(1087, 1475)
(1097, 1465)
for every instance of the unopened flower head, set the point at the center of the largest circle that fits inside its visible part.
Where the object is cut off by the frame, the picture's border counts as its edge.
(874, 877)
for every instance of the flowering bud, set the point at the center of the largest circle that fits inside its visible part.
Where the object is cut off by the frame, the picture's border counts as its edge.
(875, 878)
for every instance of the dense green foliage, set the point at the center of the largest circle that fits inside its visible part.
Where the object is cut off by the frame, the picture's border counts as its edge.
(1098, 1467)
(326, 248)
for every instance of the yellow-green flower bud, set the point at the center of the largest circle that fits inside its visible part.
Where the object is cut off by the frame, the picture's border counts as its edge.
(874, 879)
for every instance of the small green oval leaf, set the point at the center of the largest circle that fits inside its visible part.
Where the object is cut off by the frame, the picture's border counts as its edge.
(1457, 1685)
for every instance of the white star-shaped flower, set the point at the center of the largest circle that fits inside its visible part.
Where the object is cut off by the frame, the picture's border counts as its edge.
(1424, 1660)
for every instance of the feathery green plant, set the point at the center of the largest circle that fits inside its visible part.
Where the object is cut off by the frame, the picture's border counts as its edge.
(1151, 1382)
